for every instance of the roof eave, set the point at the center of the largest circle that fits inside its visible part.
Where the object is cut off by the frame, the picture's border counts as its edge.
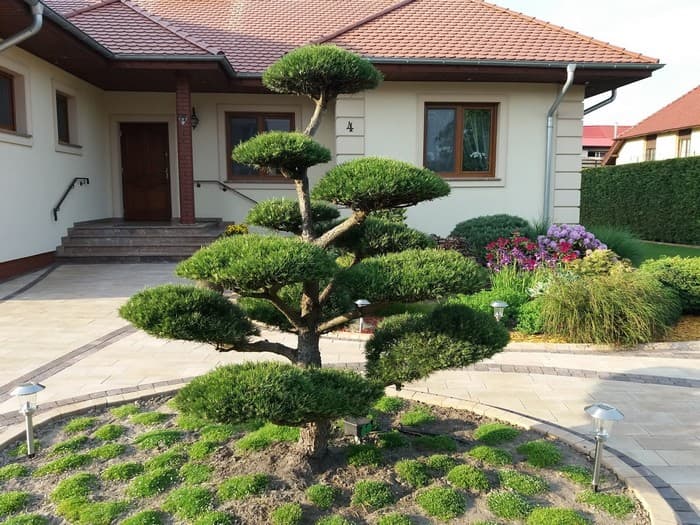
(516, 63)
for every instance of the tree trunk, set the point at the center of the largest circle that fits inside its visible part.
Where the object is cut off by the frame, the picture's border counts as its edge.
(313, 439)
(308, 349)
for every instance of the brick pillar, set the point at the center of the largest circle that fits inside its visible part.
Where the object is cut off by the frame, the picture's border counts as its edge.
(183, 109)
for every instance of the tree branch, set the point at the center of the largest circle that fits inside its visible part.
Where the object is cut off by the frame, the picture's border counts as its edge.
(345, 318)
(261, 346)
(357, 217)
(315, 121)
(303, 195)
(271, 295)
(326, 293)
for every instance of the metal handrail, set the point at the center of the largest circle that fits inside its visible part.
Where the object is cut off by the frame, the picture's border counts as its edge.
(225, 187)
(80, 181)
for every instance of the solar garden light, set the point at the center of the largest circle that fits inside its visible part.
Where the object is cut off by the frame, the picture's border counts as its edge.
(357, 427)
(26, 395)
(604, 417)
(361, 303)
(498, 307)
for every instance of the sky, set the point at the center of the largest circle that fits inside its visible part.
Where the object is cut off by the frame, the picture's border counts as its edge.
(664, 29)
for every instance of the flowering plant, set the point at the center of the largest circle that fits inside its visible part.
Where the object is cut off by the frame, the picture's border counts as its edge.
(236, 229)
(571, 238)
(517, 251)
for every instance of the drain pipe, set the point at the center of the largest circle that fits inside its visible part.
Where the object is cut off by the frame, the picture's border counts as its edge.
(548, 163)
(38, 13)
(609, 100)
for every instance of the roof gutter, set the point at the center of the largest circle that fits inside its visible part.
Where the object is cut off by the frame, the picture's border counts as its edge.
(220, 59)
(549, 147)
(512, 63)
(609, 100)
(37, 9)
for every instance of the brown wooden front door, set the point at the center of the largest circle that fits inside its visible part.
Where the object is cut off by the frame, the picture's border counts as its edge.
(145, 171)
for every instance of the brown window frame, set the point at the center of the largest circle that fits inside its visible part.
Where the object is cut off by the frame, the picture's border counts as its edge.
(650, 148)
(459, 108)
(263, 175)
(684, 137)
(13, 108)
(65, 141)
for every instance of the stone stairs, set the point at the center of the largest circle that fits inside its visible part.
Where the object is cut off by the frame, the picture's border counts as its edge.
(119, 241)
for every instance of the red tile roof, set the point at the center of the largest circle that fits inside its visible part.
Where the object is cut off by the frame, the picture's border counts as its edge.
(682, 113)
(254, 33)
(601, 136)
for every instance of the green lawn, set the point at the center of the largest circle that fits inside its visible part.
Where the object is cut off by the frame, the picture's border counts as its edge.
(653, 250)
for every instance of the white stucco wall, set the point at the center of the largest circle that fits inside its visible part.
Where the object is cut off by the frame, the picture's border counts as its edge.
(35, 170)
(633, 150)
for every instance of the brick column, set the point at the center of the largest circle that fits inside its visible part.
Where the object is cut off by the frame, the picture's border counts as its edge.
(183, 110)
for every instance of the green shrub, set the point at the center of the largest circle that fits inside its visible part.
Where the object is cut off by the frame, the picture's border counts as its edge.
(149, 418)
(412, 346)
(681, 274)
(69, 445)
(266, 436)
(530, 318)
(219, 433)
(189, 502)
(442, 503)
(491, 456)
(468, 477)
(322, 495)
(21, 449)
(107, 451)
(390, 405)
(440, 443)
(157, 439)
(394, 519)
(364, 455)
(70, 509)
(283, 394)
(334, 520)
(152, 482)
(637, 196)
(620, 308)
(76, 486)
(480, 231)
(122, 471)
(621, 241)
(110, 432)
(26, 519)
(508, 505)
(617, 505)
(391, 440)
(372, 494)
(481, 302)
(196, 473)
(174, 458)
(287, 514)
(555, 516)
(146, 517)
(378, 237)
(577, 474)
(240, 487)
(441, 463)
(100, 513)
(216, 518)
(190, 422)
(13, 501)
(416, 416)
(522, 483)
(201, 449)
(124, 411)
(495, 433)
(540, 453)
(599, 262)
(12, 471)
(79, 424)
(64, 464)
(283, 214)
(412, 472)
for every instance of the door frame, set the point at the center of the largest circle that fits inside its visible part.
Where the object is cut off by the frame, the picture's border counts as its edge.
(116, 160)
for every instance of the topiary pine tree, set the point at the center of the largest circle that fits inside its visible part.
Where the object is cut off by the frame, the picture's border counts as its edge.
(300, 284)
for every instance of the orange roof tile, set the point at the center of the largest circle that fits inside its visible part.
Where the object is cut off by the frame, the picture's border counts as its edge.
(682, 113)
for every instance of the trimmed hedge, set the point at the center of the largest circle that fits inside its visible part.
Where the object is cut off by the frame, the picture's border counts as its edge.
(656, 200)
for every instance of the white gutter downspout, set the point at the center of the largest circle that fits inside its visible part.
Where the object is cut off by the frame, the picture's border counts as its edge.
(548, 163)
(38, 14)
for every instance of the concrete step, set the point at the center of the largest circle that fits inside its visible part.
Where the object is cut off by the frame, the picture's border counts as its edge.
(121, 251)
(145, 231)
(138, 241)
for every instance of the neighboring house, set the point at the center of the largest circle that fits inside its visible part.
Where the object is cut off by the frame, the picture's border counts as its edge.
(109, 90)
(671, 132)
(597, 140)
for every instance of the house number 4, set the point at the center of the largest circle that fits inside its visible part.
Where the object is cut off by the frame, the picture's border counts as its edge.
(349, 126)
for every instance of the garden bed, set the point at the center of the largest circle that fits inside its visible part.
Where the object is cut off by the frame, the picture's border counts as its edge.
(108, 466)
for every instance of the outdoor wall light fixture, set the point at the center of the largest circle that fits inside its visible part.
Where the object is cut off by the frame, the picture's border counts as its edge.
(604, 416)
(361, 304)
(26, 394)
(498, 307)
(194, 119)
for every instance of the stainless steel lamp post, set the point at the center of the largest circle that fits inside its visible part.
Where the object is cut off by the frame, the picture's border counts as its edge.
(604, 417)
(498, 308)
(26, 394)
(361, 303)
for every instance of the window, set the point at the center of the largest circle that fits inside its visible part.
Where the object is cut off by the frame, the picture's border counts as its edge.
(7, 102)
(62, 118)
(650, 148)
(243, 126)
(684, 143)
(460, 139)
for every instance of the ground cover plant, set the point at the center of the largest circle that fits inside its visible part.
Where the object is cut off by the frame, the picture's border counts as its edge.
(273, 484)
